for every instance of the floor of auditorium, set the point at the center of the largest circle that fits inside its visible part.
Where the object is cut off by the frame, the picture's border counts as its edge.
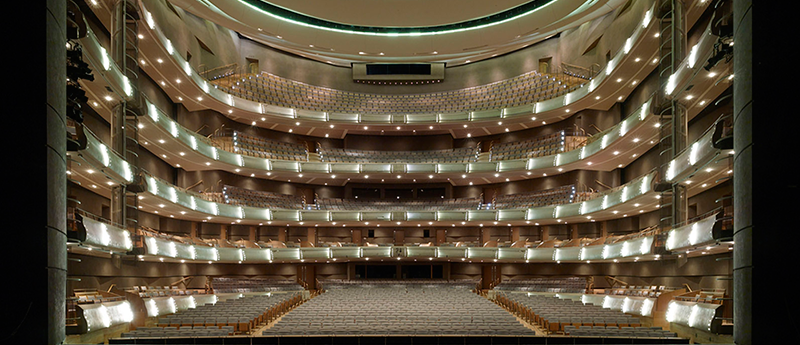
(257, 330)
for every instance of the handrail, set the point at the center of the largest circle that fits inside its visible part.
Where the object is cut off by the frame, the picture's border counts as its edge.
(93, 216)
(699, 217)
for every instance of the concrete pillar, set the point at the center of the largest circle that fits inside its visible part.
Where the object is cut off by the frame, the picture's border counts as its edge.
(253, 234)
(282, 235)
(45, 321)
(312, 235)
(485, 237)
(399, 237)
(742, 175)
(224, 230)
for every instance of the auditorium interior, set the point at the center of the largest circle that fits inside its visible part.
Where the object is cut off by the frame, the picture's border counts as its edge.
(408, 172)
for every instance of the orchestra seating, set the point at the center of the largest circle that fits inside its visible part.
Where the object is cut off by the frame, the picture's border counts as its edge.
(242, 314)
(552, 314)
(366, 283)
(335, 204)
(187, 331)
(559, 285)
(547, 197)
(255, 198)
(227, 285)
(338, 155)
(613, 331)
(525, 89)
(410, 309)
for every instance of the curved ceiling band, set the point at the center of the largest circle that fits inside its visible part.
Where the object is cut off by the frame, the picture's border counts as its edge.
(305, 20)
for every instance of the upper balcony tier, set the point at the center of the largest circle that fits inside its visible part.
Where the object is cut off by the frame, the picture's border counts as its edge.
(525, 89)
(634, 60)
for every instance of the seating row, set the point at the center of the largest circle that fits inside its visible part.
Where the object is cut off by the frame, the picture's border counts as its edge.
(553, 314)
(561, 285)
(226, 285)
(242, 314)
(335, 204)
(555, 196)
(458, 155)
(380, 309)
(521, 90)
(241, 196)
(166, 332)
(612, 331)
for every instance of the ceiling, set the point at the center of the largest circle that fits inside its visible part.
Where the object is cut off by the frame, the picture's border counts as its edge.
(505, 32)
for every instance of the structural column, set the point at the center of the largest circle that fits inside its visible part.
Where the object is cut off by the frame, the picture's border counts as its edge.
(224, 231)
(742, 174)
(253, 234)
(44, 321)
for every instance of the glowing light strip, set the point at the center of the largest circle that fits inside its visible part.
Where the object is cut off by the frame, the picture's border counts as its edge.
(104, 154)
(126, 170)
(104, 238)
(126, 84)
(670, 84)
(394, 34)
(105, 60)
(693, 56)
(173, 129)
(152, 111)
(694, 152)
(150, 22)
